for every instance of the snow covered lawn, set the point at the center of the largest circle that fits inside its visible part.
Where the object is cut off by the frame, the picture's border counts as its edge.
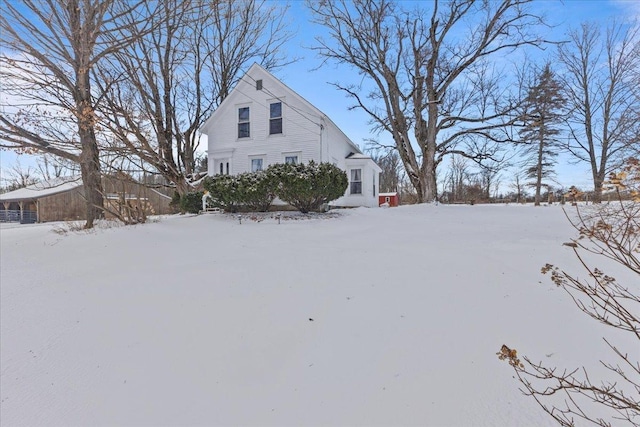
(373, 317)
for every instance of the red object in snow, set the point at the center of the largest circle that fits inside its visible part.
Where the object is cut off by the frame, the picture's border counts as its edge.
(388, 199)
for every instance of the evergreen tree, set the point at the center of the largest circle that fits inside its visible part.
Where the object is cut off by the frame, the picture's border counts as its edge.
(545, 103)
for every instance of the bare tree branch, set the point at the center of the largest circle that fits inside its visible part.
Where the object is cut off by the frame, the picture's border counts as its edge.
(612, 233)
(163, 88)
(605, 108)
(425, 84)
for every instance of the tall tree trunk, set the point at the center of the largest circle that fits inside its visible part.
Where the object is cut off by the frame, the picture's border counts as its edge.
(89, 155)
(428, 181)
(539, 167)
(91, 178)
(598, 181)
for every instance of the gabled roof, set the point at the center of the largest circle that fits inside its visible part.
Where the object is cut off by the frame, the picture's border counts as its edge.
(258, 68)
(42, 189)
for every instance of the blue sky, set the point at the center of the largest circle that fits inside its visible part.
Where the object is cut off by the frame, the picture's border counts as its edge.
(313, 84)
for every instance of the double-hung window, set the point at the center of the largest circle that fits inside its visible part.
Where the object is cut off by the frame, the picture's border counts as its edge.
(275, 118)
(256, 165)
(243, 123)
(356, 181)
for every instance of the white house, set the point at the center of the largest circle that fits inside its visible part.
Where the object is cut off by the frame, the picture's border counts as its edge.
(262, 122)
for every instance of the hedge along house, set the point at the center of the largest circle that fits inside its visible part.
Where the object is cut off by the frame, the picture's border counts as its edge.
(62, 199)
(263, 122)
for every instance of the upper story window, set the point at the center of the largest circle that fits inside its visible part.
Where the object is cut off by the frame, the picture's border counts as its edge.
(243, 123)
(275, 118)
(356, 181)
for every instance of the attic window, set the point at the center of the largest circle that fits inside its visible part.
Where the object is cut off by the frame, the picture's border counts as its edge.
(258, 84)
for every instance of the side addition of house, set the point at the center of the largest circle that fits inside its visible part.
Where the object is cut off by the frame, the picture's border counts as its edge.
(263, 122)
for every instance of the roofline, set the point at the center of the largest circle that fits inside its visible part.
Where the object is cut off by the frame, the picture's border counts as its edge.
(76, 179)
(225, 100)
(315, 109)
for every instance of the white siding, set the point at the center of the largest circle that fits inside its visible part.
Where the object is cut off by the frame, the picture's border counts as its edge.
(300, 125)
(370, 184)
(306, 133)
(337, 145)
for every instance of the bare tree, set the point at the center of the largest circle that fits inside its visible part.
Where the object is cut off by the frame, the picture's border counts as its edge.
(490, 172)
(391, 176)
(163, 88)
(544, 104)
(18, 176)
(489, 177)
(50, 166)
(464, 183)
(602, 89)
(457, 179)
(49, 48)
(427, 79)
(610, 232)
(518, 186)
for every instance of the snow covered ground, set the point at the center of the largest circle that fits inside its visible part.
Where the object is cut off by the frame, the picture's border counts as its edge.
(373, 317)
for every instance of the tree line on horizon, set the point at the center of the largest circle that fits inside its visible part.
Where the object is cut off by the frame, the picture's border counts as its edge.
(115, 85)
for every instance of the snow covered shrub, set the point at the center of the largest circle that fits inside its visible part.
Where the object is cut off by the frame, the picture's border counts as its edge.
(224, 191)
(256, 190)
(308, 187)
(610, 232)
(191, 202)
(252, 191)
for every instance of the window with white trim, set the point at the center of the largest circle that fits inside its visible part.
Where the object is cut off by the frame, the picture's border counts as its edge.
(275, 118)
(244, 126)
(291, 160)
(220, 166)
(256, 164)
(356, 181)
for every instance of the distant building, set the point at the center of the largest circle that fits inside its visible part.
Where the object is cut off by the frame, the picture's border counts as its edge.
(62, 199)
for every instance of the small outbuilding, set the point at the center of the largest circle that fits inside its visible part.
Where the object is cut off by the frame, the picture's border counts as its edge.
(57, 199)
(389, 199)
(62, 199)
